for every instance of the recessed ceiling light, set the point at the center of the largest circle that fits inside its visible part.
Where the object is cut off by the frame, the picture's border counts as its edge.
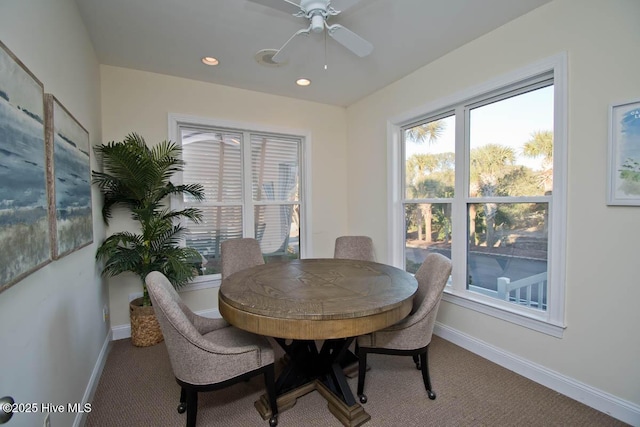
(303, 82)
(210, 60)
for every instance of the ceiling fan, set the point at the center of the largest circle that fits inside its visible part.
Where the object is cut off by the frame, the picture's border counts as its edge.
(317, 12)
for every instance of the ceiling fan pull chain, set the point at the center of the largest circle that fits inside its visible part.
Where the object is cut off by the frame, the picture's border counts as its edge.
(325, 50)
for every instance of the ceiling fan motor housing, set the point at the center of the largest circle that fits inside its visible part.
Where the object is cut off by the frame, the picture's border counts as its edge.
(316, 11)
(317, 23)
(311, 5)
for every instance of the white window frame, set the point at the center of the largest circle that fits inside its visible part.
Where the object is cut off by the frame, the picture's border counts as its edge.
(551, 321)
(178, 120)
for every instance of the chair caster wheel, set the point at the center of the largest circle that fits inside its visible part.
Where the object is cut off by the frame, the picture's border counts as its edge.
(273, 421)
(363, 398)
(431, 395)
(182, 407)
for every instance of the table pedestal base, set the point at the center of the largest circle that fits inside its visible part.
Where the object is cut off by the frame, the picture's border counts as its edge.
(309, 369)
(349, 416)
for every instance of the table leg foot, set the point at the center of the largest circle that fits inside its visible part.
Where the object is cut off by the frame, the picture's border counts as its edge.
(349, 416)
(284, 401)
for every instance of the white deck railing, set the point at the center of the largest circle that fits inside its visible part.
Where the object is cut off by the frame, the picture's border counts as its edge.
(518, 291)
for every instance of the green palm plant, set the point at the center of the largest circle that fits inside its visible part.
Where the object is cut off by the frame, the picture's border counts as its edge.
(137, 177)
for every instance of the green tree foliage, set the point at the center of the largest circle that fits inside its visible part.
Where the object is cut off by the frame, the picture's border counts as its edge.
(519, 181)
(421, 165)
(489, 164)
(423, 174)
(428, 132)
(493, 173)
(541, 145)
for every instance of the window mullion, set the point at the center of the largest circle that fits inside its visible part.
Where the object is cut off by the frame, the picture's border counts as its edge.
(401, 220)
(247, 182)
(458, 211)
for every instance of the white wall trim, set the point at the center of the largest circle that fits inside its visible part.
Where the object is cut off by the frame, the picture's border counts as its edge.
(121, 332)
(202, 282)
(500, 310)
(623, 410)
(93, 380)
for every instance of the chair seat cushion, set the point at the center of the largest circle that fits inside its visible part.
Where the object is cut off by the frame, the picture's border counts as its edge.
(237, 351)
(235, 339)
(405, 340)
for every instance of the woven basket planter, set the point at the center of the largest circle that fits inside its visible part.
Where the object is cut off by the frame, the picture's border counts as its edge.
(145, 329)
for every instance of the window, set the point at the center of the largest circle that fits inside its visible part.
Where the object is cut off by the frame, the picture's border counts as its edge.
(252, 182)
(481, 180)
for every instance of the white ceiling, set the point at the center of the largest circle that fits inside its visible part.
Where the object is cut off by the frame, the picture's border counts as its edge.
(171, 36)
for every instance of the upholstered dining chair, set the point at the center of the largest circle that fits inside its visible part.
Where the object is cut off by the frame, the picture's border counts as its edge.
(207, 354)
(354, 247)
(239, 254)
(412, 335)
(359, 248)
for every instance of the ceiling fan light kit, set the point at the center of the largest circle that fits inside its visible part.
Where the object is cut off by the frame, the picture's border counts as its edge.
(317, 12)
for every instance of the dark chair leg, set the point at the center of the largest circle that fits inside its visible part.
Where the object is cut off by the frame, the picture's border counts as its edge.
(362, 369)
(192, 407)
(270, 384)
(424, 361)
(416, 361)
(182, 407)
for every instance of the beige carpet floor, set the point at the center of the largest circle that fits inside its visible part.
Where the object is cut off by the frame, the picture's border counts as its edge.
(137, 388)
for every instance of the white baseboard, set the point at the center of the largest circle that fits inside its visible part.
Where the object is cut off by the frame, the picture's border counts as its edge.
(121, 332)
(93, 380)
(602, 401)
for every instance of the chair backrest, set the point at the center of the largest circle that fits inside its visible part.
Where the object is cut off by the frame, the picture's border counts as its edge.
(180, 335)
(211, 358)
(239, 254)
(432, 277)
(354, 247)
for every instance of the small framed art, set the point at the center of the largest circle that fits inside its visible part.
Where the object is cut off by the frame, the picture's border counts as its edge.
(624, 154)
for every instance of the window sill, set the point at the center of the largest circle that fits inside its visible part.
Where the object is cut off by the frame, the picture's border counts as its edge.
(501, 313)
(202, 282)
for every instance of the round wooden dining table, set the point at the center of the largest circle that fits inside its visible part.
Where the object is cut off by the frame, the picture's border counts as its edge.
(302, 302)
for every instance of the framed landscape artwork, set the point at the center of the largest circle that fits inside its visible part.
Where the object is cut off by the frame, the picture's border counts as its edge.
(24, 219)
(69, 179)
(624, 154)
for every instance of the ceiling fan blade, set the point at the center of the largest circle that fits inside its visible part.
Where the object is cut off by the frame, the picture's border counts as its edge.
(350, 40)
(280, 56)
(343, 5)
(285, 6)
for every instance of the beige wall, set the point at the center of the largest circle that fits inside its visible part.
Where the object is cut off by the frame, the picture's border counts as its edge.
(136, 101)
(52, 327)
(601, 344)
